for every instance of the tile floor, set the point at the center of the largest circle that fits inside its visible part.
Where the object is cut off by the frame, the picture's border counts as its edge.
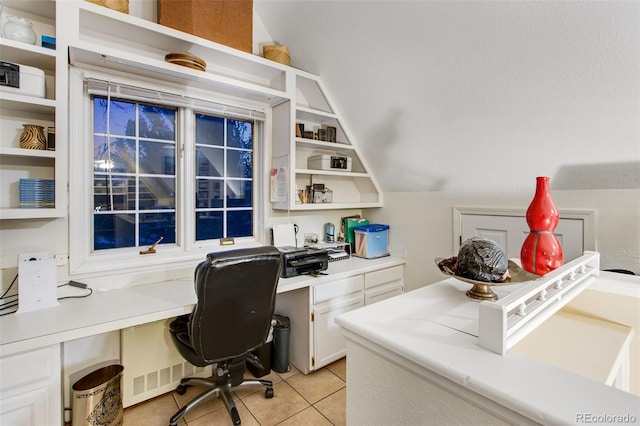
(315, 399)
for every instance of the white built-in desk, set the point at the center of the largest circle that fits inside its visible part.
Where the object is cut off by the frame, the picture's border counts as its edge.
(31, 343)
(415, 359)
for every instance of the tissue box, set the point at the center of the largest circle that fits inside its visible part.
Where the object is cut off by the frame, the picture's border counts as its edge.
(371, 241)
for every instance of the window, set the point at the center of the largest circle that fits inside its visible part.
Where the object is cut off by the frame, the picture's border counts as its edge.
(165, 167)
(134, 174)
(224, 177)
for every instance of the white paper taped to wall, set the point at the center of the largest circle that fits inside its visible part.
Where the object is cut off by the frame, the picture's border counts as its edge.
(284, 235)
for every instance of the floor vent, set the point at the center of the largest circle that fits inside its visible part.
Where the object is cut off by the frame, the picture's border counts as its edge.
(152, 366)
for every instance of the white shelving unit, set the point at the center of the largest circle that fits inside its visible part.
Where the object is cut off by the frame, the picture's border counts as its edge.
(312, 107)
(17, 109)
(96, 37)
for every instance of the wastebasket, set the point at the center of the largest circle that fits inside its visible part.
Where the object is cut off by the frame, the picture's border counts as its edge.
(97, 398)
(280, 344)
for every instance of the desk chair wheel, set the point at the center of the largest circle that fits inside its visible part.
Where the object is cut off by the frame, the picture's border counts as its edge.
(268, 393)
(181, 389)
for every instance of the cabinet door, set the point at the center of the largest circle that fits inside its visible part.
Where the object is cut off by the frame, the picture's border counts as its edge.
(27, 408)
(509, 233)
(30, 390)
(329, 344)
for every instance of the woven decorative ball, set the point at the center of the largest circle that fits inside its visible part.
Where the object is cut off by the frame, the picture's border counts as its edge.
(277, 53)
(33, 137)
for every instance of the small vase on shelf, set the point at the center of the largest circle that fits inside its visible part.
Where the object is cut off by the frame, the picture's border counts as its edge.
(541, 251)
(19, 29)
(32, 137)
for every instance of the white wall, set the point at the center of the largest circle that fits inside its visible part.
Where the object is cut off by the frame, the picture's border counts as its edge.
(422, 223)
(477, 95)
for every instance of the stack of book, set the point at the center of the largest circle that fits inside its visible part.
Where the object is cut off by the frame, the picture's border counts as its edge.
(36, 193)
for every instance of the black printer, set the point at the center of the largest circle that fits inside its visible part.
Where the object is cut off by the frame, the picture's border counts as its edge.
(302, 260)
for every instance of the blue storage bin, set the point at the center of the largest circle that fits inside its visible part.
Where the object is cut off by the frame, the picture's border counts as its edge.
(371, 240)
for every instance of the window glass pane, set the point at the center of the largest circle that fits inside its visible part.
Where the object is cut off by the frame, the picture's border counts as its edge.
(209, 225)
(113, 192)
(239, 193)
(240, 223)
(156, 225)
(118, 156)
(240, 134)
(239, 163)
(157, 122)
(113, 231)
(123, 117)
(209, 193)
(133, 174)
(209, 161)
(157, 158)
(157, 193)
(209, 130)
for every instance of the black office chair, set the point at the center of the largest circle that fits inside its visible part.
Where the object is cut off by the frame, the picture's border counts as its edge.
(236, 298)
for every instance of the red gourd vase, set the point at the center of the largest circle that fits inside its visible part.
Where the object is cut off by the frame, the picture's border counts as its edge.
(541, 251)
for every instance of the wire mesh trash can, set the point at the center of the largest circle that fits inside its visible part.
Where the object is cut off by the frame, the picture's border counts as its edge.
(280, 345)
(97, 398)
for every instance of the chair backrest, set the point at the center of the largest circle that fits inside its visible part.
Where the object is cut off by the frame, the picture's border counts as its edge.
(236, 293)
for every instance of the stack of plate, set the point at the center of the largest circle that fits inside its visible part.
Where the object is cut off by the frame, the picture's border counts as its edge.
(186, 60)
(36, 193)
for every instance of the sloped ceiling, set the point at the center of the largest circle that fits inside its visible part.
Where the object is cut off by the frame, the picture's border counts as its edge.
(480, 95)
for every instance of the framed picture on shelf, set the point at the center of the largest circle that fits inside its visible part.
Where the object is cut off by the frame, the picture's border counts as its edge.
(299, 130)
(331, 134)
(307, 134)
(322, 134)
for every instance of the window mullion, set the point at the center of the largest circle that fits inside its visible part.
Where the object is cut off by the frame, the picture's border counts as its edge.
(186, 126)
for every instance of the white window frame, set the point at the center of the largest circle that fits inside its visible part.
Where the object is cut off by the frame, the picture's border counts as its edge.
(83, 261)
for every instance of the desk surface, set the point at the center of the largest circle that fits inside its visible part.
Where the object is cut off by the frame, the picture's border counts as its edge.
(126, 307)
(434, 329)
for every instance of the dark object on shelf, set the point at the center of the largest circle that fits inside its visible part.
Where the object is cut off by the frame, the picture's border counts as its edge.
(48, 42)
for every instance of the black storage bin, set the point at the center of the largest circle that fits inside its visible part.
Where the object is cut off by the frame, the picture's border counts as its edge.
(280, 348)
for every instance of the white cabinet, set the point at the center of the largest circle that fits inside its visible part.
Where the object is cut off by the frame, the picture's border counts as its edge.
(315, 339)
(30, 387)
(311, 110)
(17, 108)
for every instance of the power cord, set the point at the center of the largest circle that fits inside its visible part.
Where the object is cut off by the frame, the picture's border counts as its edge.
(4, 305)
(8, 304)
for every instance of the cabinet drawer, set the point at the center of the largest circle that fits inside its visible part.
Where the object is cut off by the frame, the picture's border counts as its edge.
(337, 288)
(29, 367)
(383, 292)
(373, 279)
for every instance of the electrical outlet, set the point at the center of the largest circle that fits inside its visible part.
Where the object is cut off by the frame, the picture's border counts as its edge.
(26, 257)
(62, 259)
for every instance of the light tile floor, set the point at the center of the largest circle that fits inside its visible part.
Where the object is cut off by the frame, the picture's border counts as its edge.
(315, 399)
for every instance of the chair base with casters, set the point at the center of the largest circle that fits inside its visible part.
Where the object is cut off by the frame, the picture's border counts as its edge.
(228, 377)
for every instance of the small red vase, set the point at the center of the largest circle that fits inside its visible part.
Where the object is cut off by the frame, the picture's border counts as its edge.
(541, 251)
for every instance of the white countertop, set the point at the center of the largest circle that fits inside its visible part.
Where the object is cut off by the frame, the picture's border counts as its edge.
(435, 328)
(105, 311)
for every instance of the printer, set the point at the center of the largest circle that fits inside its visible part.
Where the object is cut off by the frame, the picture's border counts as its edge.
(302, 260)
